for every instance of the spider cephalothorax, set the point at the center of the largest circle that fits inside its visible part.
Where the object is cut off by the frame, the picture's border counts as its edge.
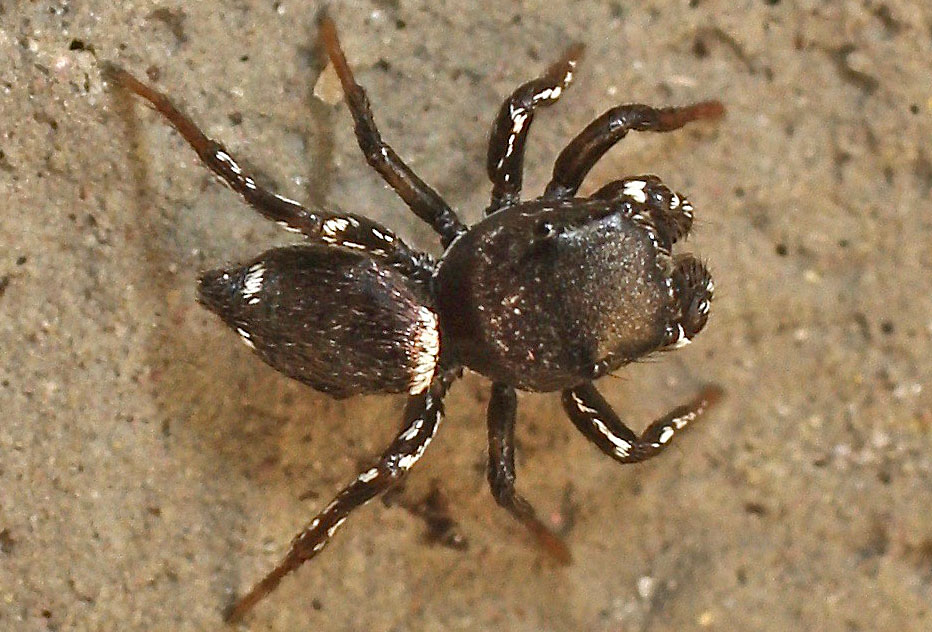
(542, 295)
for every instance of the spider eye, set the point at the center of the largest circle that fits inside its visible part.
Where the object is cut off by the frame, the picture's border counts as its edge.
(546, 229)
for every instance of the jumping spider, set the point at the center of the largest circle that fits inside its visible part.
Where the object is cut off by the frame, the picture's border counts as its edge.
(541, 295)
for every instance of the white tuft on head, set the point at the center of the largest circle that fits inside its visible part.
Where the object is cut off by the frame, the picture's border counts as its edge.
(424, 351)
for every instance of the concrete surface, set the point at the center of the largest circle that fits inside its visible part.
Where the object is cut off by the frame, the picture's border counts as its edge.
(151, 468)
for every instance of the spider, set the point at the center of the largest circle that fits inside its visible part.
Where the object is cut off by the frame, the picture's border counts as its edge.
(541, 295)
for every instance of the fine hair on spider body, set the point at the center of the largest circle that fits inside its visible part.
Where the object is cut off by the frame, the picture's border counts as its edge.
(547, 294)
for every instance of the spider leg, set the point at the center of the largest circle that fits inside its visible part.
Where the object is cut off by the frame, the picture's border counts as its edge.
(418, 195)
(575, 161)
(350, 231)
(594, 417)
(694, 290)
(501, 473)
(670, 212)
(505, 161)
(218, 159)
(422, 417)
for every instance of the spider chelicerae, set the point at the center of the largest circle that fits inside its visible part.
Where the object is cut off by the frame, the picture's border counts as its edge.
(542, 295)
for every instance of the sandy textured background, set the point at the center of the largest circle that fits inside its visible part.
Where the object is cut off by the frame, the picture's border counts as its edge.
(150, 467)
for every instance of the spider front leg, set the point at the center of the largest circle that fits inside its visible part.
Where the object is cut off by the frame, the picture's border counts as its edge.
(671, 213)
(351, 231)
(420, 198)
(575, 161)
(594, 417)
(694, 289)
(501, 472)
(422, 418)
(505, 161)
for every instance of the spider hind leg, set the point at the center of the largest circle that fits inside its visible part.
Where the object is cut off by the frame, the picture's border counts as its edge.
(422, 418)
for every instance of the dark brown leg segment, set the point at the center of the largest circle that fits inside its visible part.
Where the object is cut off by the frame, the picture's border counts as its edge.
(501, 473)
(505, 162)
(575, 161)
(420, 198)
(343, 229)
(694, 290)
(274, 207)
(594, 417)
(422, 417)
(671, 213)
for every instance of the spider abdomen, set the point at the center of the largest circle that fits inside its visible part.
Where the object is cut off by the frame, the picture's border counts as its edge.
(538, 294)
(339, 321)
